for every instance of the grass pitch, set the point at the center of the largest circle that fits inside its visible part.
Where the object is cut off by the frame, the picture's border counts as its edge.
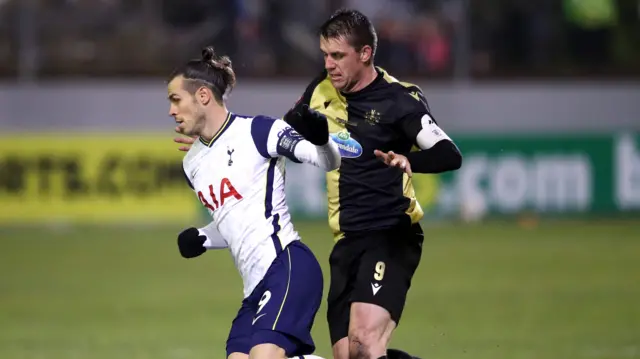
(562, 290)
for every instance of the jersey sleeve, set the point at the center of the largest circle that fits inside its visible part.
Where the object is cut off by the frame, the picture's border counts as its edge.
(186, 178)
(214, 238)
(415, 119)
(273, 138)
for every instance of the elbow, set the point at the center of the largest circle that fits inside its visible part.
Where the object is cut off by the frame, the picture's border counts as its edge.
(336, 163)
(451, 158)
(456, 163)
(332, 163)
(333, 160)
(454, 157)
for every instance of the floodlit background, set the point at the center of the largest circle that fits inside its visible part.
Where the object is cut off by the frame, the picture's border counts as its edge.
(532, 249)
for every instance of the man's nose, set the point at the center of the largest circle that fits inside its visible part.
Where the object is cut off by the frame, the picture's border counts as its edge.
(329, 64)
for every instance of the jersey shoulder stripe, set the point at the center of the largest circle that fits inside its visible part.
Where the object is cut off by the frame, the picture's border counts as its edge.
(268, 205)
(260, 129)
(308, 92)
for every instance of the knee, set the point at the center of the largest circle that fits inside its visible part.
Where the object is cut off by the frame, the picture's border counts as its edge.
(267, 351)
(370, 328)
(366, 342)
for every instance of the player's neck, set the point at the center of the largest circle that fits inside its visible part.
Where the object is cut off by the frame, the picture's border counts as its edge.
(215, 120)
(368, 76)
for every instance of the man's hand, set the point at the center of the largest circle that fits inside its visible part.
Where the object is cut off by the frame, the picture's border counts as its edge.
(187, 141)
(392, 159)
(311, 124)
(191, 243)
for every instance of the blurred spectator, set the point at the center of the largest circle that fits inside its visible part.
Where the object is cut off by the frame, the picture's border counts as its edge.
(433, 48)
(278, 37)
(526, 30)
(590, 30)
(392, 19)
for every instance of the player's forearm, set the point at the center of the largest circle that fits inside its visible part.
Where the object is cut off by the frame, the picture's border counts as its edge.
(442, 157)
(326, 156)
(214, 239)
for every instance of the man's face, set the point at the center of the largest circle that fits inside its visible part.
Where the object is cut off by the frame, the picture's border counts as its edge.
(343, 63)
(185, 108)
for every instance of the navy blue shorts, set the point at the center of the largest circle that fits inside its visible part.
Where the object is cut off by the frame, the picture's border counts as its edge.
(282, 307)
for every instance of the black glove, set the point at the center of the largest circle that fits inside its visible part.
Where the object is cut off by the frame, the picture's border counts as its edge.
(309, 123)
(190, 243)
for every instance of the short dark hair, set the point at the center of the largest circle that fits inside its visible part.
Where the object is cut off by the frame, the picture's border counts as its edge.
(354, 26)
(211, 71)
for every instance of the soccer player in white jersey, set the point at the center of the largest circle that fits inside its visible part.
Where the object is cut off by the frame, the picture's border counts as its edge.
(236, 168)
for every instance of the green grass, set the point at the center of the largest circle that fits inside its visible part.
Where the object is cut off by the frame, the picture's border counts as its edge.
(562, 290)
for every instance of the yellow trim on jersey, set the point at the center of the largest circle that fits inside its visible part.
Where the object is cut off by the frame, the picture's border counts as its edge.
(285, 293)
(337, 116)
(392, 79)
(225, 124)
(415, 210)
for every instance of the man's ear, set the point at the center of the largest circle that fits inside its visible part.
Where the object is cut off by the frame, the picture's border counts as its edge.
(366, 53)
(204, 95)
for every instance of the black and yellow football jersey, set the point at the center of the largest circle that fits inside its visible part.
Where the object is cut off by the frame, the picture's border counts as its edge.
(365, 194)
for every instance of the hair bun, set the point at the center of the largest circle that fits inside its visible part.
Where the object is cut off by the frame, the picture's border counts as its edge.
(224, 61)
(209, 57)
(208, 53)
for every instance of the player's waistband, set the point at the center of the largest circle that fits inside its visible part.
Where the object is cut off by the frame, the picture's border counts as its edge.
(356, 225)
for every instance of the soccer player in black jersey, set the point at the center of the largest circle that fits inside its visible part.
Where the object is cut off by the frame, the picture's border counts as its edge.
(386, 132)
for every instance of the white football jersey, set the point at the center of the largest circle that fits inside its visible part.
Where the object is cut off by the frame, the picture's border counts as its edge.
(239, 177)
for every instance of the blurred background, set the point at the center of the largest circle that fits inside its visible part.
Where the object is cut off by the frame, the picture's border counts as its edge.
(532, 248)
(266, 38)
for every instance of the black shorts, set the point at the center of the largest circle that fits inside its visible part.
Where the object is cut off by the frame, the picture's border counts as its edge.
(372, 267)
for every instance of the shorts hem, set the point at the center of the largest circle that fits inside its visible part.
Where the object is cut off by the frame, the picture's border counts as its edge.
(290, 344)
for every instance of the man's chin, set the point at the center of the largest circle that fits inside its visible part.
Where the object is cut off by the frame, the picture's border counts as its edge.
(338, 84)
(342, 86)
(185, 131)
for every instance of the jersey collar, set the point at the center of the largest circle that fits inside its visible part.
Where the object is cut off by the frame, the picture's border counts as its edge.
(367, 88)
(224, 127)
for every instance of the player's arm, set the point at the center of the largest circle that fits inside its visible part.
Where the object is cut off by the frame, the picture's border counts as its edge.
(213, 239)
(289, 143)
(437, 154)
(192, 242)
(437, 151)
(274, 138)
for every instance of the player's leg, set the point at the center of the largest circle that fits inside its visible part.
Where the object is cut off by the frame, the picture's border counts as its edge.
(370, 329)
(239, 340)
(273, 351)
(267, 351)
(290, 300)
(384, 277)
(343, 263)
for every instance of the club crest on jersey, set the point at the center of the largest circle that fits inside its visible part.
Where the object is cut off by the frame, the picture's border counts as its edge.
(348, 146)
(230, 152)
(372, 117)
